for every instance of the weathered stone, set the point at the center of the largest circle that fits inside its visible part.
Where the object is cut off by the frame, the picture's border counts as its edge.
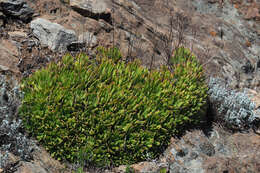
(146, 167)
(17, 8)
(17, 34)
(42, 163)
(65, 1)
(96, 9)
(43, 159)
(28, 167)
(255, 98)
(88, 38)
(207, 148)
(90, 6)
(8, 56)
(4, 68)
(52, 34)
(120, 169)
(252, 13)
(175, 168)
(85, 40)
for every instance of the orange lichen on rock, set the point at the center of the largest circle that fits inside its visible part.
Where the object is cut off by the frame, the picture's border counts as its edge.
(248, 43)
(236, 6)
(213, 33)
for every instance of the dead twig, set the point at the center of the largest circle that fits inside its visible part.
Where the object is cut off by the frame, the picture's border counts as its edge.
(178, 25)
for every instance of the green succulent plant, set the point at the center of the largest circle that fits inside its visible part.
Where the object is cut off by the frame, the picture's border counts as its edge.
(116, 112)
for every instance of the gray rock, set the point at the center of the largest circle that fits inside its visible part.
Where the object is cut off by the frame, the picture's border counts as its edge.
(88, 38)
(182, 153)
(96, 9)
(148, 167)
(30, 168)
(85, 40)
(94, 6)
(175, 168)
(17, 8)
(53, 34)
(193, 155)
(207, 148)
(12, 140)
(3, 68)
(3, 160)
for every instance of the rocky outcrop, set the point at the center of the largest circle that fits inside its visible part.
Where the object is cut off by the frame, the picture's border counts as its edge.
(224, 36)
(214, 151)
(52, 34)
(217, 33)
(238, 47)
(17, 8)
(225, 42)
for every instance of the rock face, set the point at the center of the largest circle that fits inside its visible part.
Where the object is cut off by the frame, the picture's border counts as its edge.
(239, 39)
(52, 34)
(8, 56)
(224, 41)
(17, 8)
(198, 152)
(224, 35)
(88, 38)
